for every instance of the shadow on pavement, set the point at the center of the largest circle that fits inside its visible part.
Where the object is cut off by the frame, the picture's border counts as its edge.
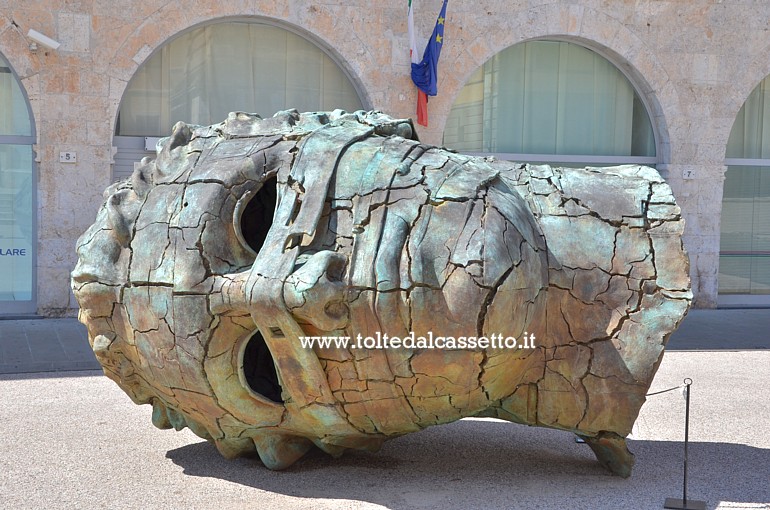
(453, 466)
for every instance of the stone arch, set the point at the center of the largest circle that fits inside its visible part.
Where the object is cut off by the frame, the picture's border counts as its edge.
(14, 47)
(572, 23)
(734, 286)
(741, 86)
(171, 21)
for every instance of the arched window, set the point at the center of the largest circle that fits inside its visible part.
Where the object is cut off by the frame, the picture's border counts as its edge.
(744, 256)
(205, 73)
(554, 102)
(17, 198)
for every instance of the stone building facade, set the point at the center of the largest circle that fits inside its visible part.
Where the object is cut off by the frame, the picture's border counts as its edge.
(694, 63)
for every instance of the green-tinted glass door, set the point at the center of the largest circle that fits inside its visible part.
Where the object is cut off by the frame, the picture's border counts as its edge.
(17, 198)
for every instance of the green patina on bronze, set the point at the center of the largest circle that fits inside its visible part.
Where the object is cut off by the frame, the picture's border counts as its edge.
(202, 271)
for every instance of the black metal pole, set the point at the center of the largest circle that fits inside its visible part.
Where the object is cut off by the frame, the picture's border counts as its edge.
(686, 436)
(683, 504)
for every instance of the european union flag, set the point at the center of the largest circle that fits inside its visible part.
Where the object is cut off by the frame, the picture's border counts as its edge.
(425, 74)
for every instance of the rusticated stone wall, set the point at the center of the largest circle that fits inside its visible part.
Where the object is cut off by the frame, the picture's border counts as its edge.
(693, 61)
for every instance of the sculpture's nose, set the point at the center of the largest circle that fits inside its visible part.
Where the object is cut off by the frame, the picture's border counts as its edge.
(316, 293)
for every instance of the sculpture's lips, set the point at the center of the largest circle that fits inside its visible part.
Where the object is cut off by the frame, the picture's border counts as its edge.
(88, 272)
(91, 301)
(84, 277)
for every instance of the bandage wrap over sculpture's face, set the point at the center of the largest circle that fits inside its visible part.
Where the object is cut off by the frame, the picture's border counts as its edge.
(204, 269)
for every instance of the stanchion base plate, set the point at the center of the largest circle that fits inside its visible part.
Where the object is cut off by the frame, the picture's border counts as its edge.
(678, 504)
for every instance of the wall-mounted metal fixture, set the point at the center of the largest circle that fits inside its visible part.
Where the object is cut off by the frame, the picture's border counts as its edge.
(42, 39)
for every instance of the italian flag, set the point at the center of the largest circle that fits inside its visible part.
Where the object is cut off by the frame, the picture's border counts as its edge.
(422, 97)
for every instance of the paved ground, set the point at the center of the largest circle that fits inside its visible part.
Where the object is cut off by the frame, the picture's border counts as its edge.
(732, 329)
(74, 440)
(44, 345)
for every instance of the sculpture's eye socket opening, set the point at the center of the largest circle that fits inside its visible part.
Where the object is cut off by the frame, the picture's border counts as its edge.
(259, 369)
(257, 217)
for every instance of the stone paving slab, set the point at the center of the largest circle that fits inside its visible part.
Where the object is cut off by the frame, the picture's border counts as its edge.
(44, 345)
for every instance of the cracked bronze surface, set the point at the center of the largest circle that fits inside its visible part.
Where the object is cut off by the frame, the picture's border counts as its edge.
(203, 270)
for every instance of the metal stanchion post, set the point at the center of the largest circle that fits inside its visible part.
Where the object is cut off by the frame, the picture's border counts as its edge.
(684, 503)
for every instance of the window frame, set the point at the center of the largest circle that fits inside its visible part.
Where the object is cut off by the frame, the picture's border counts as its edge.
(735, 298)
(310, 37)
(10, 308)
(581, 159)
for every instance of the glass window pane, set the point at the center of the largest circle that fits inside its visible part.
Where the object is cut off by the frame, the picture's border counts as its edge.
(539, 97)
(642, 137)
(750, 135)
(204, 74)
(16, 213)
(549, 97)
(744, 264)
(14, 116)
(464, 127)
